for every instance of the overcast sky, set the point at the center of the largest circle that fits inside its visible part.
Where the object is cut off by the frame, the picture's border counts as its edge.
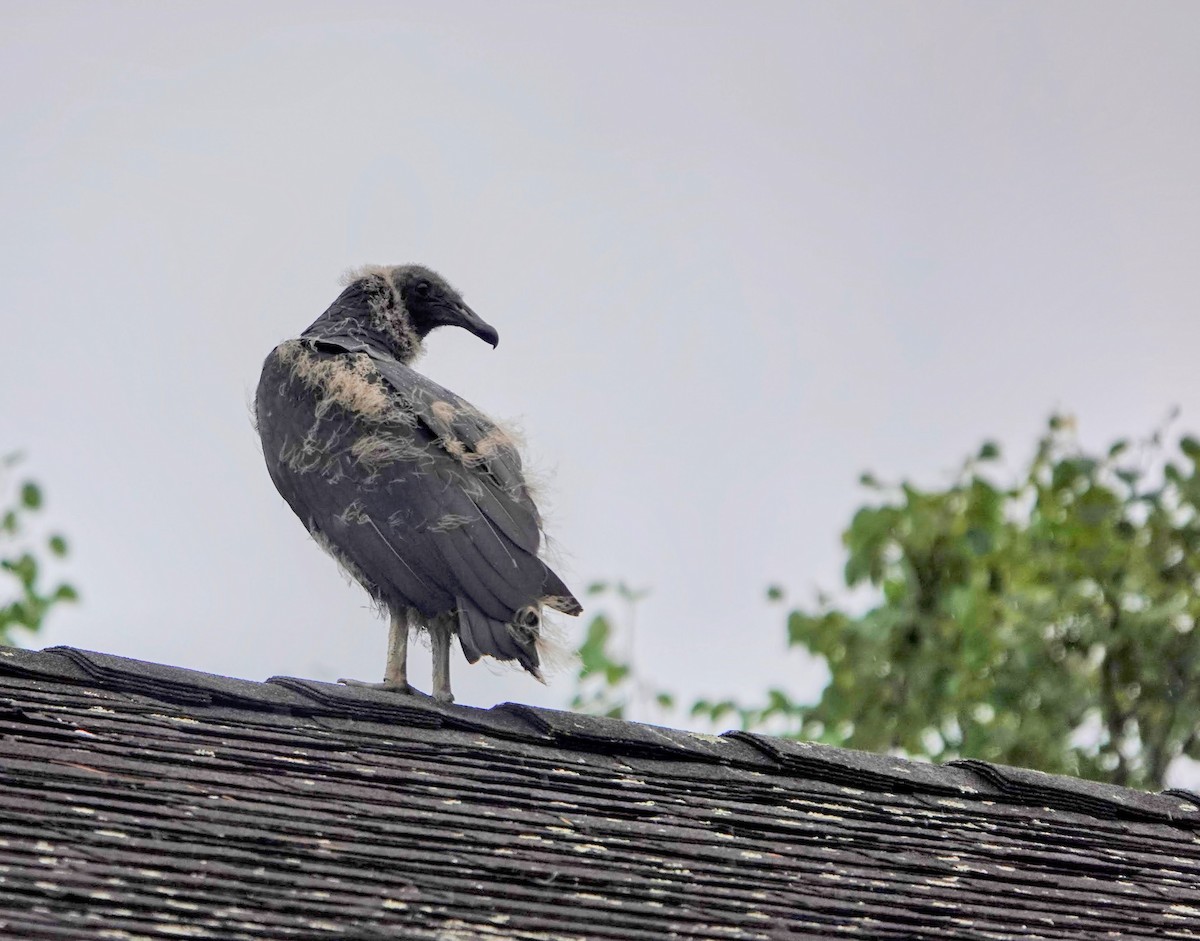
(736, 253)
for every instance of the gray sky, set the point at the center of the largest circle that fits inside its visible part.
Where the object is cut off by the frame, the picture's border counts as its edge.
(737, 254)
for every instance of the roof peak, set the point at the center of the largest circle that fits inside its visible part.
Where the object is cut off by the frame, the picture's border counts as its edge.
(284, 695)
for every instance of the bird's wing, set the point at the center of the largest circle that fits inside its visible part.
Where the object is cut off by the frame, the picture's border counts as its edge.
(416, 492)
(486, 453)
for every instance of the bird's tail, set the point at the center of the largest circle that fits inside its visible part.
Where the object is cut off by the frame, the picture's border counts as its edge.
(517, 640)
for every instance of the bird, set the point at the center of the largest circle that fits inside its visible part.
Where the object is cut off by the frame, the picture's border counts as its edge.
(418, 495)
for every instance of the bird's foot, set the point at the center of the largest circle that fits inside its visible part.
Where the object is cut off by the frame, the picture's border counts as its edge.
(391, 686)
(396, 686)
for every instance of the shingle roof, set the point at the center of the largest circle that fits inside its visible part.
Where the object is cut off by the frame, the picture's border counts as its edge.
(145, 801)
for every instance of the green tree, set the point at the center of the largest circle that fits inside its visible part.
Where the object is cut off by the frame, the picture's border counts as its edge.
(1047, 621)
(24, 603)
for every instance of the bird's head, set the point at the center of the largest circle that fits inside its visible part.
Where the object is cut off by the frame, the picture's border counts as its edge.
(428, 302)
(399, 305)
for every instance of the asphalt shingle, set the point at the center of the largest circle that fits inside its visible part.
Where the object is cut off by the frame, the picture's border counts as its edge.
(145, 802)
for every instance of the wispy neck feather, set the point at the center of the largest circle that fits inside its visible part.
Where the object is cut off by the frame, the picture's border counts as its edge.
(370, 309)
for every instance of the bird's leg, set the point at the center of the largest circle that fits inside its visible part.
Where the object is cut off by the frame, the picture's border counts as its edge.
(439, 639)
(395, 676)
(396, 672)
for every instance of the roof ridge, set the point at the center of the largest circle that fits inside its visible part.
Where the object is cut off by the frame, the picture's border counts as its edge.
(856, 770)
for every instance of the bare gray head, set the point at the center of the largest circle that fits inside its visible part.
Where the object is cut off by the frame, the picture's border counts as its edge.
(408, 301)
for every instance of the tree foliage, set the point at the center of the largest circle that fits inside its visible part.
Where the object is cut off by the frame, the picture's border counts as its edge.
(1049, 623)
(1047, 620)
(24, 603)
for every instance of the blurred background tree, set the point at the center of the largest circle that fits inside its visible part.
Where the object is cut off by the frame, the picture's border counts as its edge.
(607, 683)
(1047, 622)
(24, 603)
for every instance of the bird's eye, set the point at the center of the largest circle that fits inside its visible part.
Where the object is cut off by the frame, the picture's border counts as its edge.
(422, 289)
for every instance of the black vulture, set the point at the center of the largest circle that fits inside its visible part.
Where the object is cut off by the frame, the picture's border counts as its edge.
(416, 493)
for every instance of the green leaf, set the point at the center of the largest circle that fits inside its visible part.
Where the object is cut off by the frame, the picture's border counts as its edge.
(800, 628)
(774, 593)
(57, 545)
(24, 567)
(988, 452)
(722, 709)
(778, 701)
(31, 495)
(1190, 447)
(593, 654)
(21, 614)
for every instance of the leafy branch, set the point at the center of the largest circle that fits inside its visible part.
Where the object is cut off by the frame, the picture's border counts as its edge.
(19, 558)
(607, 683)
(1047, 620)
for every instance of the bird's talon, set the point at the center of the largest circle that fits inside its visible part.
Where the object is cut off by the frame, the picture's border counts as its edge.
(390, 686)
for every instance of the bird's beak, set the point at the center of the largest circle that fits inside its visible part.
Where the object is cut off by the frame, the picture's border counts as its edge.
(460, 315)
